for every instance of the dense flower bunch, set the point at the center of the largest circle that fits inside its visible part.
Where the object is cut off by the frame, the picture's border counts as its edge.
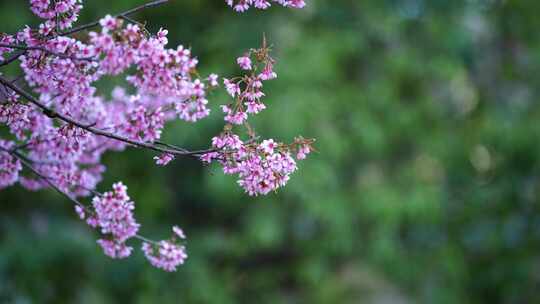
(167, 254)
(60, 127)
(261, 167)
(113, 214)
(244, 5)
(57, 13)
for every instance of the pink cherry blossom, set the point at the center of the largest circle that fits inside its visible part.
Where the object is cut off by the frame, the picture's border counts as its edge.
(163, 159)
(244, 62)
(114, 213)
(165, 255)
(268, 146)
(213, 80)
(114, 249)
(303, 151)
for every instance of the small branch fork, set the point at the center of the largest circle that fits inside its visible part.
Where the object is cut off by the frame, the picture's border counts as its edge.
(54, 114)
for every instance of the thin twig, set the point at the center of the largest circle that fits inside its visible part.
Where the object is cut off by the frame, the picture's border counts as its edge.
(126, 13)
(12, 58)
(142, 238)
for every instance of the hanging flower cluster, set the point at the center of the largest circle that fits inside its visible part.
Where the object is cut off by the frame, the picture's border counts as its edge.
(113, 214)
(167, 254)
(59, 126)
(60, 14)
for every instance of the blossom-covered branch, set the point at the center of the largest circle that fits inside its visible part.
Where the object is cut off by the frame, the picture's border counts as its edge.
(59, 126)
(54, 114)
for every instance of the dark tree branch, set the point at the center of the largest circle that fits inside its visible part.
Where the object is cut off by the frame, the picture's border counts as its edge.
(39, 48)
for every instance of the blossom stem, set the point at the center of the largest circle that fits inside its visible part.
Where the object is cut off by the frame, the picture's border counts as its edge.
(142, 238)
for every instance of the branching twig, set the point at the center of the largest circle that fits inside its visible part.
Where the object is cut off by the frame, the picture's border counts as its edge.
(39, 48)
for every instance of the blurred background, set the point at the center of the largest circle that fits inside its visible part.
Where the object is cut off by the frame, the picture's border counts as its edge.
(426, 187)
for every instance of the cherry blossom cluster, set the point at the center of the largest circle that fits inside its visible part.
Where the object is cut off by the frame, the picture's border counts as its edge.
(167, 254)
(58, 127)
(59, 14)
(113, 214)
(262, 167)
(244, 5)
(247, 90)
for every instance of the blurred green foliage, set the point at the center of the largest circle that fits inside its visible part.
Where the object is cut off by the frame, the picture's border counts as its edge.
(425, 188)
